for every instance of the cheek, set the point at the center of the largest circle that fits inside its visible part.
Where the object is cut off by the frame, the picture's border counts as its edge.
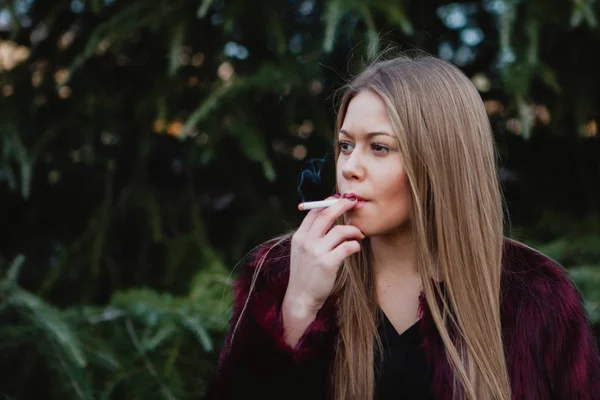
(401, 189)
(392, 209)
(395, 204)
(338, 169)
(389, 212)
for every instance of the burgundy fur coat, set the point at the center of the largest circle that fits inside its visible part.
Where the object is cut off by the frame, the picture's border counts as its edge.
(550, 348)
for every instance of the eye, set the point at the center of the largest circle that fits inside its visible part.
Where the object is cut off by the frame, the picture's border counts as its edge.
(380, 148)
(345, 147)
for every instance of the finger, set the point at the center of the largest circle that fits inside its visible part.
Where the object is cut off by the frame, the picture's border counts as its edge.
(307, 221)
(337, 256)
(310, 218)
(328, 216)
(339, 234)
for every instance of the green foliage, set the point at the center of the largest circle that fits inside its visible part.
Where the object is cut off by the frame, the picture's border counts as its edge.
(58, 343)
(148, 146)
(587, 278)
(134, 343)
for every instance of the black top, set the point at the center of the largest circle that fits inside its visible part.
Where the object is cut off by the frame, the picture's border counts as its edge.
(404, 373)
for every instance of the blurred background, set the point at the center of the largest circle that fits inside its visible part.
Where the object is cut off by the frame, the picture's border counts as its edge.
(147, 146)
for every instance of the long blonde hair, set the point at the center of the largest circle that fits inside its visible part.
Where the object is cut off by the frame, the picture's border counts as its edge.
(457, 225)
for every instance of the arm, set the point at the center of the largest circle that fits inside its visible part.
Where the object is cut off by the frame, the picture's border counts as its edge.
(257, 361)
(296, 318)
(571, 352)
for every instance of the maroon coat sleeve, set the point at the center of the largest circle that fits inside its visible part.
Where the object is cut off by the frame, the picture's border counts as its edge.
(256, 362)
(571, 352)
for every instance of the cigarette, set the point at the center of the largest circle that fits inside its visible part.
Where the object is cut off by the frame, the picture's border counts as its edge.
(316, 204)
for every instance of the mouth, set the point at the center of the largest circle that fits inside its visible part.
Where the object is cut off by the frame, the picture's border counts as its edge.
(349, 195)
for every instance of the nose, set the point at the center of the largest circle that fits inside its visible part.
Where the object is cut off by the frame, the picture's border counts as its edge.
(353, 168)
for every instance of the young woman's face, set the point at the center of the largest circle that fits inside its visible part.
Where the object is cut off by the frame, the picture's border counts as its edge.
(370, 166)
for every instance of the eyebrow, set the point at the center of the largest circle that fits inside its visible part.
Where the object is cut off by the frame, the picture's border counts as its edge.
(369, 135)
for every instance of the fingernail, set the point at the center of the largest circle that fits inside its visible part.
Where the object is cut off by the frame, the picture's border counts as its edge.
(337, 195)
(351, 198)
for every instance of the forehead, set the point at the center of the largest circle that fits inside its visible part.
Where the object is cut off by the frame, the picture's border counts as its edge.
(366, 111)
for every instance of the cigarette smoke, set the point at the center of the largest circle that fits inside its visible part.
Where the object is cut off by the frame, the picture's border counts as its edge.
(311, 180)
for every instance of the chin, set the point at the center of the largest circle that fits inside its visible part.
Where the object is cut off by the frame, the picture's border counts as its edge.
(373, 230)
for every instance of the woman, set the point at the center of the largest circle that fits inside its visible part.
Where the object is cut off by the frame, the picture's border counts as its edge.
(406, 288)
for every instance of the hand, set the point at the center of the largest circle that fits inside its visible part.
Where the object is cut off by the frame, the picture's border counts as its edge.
(317, 252)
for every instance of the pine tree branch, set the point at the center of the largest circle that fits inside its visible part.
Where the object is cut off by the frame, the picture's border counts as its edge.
(140, 349)
(83, 392)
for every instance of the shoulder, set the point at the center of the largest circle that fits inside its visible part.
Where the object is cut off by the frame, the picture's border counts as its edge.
(521, 263)
(533, 281)
(526, 269)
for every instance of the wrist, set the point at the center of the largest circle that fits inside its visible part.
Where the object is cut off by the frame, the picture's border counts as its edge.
(299, 308)
(297, 315)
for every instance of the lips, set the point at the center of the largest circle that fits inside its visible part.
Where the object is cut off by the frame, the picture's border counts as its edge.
(348, 195)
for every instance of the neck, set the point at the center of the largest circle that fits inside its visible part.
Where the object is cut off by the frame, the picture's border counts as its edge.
(394, 256)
